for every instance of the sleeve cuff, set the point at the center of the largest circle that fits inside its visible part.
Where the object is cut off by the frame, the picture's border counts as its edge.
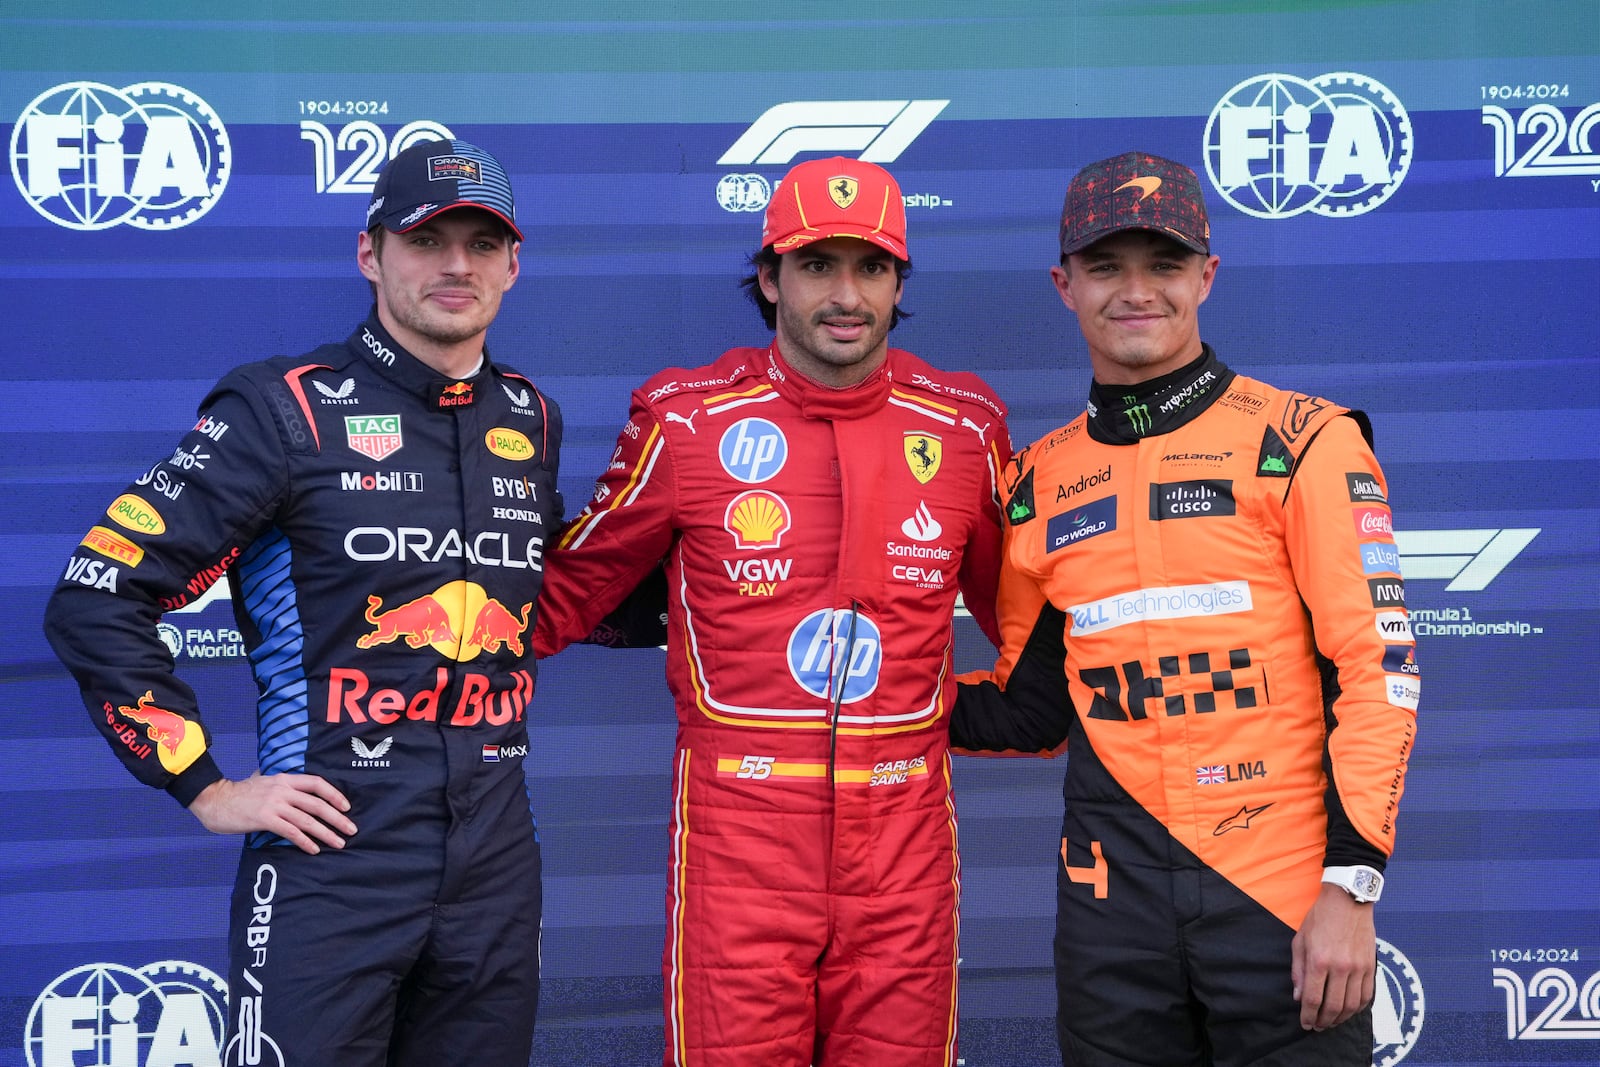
(192, 782)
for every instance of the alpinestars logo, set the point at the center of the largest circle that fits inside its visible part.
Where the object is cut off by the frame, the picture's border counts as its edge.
(1468, 559)
(874, 130)
(89, 156)
(1335, 145)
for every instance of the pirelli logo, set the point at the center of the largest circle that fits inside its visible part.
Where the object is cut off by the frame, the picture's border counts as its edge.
(112, 545)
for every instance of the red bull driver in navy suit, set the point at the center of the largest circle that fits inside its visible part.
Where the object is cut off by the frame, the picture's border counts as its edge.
(380, 506)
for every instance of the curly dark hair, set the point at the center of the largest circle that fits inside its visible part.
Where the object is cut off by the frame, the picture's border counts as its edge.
(751, 284)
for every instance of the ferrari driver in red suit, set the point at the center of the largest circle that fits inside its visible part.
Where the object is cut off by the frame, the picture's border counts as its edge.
(818, 502)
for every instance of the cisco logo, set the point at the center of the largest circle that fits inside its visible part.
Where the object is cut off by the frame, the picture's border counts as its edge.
(1335, 145)
(874, 130)
(89, 156)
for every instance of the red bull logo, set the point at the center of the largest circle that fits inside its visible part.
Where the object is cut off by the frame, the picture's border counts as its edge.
(455, 395)
(458, 619)
(178, 741)
(422, 621)
(495, 627)
(494, 701)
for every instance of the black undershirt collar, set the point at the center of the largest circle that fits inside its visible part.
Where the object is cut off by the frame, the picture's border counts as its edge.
(1125, 414)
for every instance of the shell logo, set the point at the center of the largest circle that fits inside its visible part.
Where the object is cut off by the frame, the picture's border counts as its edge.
(508, 444)
(757, 519)
(135, 514)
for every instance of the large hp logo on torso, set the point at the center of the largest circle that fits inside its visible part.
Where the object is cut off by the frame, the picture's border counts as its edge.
(836, 654)
(1334, 145)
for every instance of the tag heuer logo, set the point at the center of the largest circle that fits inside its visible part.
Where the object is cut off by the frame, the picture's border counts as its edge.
(374, 436)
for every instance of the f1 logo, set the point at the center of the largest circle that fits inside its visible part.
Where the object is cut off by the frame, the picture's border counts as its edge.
(877, 130)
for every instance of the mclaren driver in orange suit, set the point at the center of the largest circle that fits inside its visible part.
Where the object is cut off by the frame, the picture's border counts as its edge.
(1200, 596)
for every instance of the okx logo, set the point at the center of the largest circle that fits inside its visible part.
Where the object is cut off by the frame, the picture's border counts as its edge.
(1335, 145)
(89, 156)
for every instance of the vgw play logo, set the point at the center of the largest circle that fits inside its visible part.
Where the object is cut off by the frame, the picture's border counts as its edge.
(89, 156)
(1335, 145)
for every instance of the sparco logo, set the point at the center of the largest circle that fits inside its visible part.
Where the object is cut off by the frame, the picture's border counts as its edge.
(89, 156)
(160, 1015)
(1335, 145)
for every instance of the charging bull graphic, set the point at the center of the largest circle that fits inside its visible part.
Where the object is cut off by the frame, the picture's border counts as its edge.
(422, 621)
(496, 626)
(459, 619)
(178, 741)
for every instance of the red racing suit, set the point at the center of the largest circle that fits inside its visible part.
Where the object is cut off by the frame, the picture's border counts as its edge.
(1238, 699)
(814, 541)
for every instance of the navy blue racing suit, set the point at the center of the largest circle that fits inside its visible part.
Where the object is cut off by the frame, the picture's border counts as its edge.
(383, 531)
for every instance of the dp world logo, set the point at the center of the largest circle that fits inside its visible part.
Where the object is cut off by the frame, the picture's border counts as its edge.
(1334, 145)
(88, 156)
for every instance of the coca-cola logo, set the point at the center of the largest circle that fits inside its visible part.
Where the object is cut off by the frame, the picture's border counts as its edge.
(1374, 522)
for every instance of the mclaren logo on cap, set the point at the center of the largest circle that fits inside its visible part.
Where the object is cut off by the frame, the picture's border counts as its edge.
(843, 190)
(1146, 185)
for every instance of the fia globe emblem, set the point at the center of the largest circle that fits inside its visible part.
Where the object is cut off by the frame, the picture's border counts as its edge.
(1335, 145)
(108, 1015)
(89, 156)
(1397, 1007)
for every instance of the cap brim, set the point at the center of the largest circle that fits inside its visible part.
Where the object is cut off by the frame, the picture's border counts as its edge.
(390, 222)
(1070, 247)
(805, 237)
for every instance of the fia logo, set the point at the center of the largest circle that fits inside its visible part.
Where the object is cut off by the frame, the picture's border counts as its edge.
(1335, 145)
(89, 156)
(159, 1015)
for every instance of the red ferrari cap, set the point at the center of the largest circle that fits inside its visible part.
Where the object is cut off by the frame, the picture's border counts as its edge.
(836, 197)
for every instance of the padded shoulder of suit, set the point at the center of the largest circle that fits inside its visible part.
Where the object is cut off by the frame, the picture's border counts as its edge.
(1290, 421)
(917, 375)
(733, 367)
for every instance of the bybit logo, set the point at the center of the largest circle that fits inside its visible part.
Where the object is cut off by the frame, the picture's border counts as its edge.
(88, 156)
(1335, 145)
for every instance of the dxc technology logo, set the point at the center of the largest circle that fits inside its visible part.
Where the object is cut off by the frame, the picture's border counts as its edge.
(88, 156)
(1334, 145)
(874, 130)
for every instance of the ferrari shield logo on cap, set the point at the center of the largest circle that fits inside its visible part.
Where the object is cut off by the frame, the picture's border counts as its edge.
(843, 190)
(923, 455)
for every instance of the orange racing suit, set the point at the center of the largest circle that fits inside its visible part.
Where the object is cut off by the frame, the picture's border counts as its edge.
(1237, 692)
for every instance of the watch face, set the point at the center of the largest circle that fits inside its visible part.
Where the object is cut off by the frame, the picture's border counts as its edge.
(1367, 885)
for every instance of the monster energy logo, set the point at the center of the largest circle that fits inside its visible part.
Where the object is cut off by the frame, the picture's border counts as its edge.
(1138, 415)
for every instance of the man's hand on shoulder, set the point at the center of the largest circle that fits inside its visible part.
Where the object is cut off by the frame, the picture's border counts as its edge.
(301, 808)
(1335, 959)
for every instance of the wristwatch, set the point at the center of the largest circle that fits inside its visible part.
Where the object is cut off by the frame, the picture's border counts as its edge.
(1364, 884)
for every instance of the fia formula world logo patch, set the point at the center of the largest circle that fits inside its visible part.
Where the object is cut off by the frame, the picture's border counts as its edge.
(89, 156)
(1335, 145)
